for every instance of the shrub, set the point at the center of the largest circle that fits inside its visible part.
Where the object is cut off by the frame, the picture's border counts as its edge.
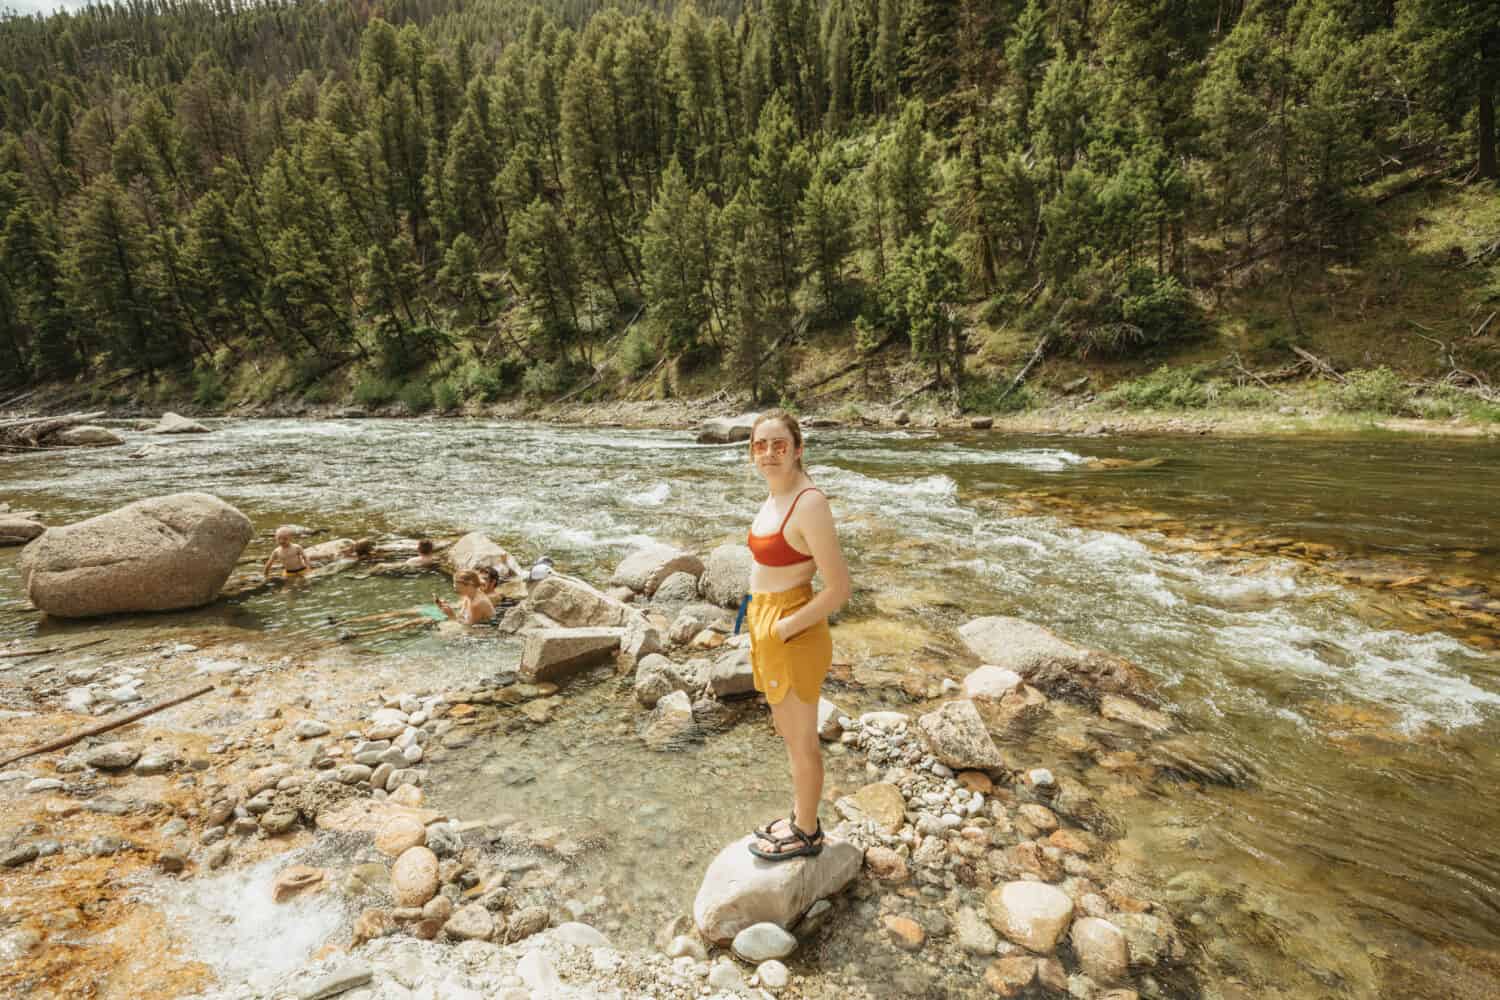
(637, 353)
(1164, 389)
(542, 379)
(1248, 397)
(445, 395)
(417, 396)
(375, 390)
(1373, 390)
(1143, 310)
(985, 397)
(209, 390)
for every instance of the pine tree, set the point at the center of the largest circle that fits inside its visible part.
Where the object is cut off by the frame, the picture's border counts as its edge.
(676, 275)
(825, 230)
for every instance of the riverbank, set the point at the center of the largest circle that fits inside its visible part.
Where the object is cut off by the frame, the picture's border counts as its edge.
(295, 830)
(1308, 416)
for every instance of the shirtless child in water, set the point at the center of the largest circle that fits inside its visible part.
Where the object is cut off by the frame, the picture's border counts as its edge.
(294, 561)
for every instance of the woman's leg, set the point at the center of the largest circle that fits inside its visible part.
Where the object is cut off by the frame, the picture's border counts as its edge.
(797, 722)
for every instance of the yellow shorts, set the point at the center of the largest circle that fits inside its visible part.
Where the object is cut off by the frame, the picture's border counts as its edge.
(800, 663)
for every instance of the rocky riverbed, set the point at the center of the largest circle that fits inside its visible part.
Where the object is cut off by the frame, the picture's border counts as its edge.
(273, 837)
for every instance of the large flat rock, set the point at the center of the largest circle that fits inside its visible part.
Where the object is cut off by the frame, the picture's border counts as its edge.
(556, 654)
(740, 890)
(161, 554)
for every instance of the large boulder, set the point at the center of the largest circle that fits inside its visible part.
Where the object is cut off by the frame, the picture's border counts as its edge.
(86, 435)
(575, 604)
(556, 654)
(476, 550)
(16, 530)
(740, 890)
(726, 575)
(957, 736)
(726, 430)
(171, 423)
(1048, 661)
(160, 554)
(645, 569)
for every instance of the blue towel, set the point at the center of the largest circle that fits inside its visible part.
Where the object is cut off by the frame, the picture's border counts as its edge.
(740, 618)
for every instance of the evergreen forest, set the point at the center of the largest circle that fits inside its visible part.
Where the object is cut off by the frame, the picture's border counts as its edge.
(470, 200)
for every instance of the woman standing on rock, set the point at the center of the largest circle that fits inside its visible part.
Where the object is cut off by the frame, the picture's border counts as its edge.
(791, 540)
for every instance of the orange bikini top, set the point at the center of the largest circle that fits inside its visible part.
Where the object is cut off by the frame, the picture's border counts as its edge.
(775, 550)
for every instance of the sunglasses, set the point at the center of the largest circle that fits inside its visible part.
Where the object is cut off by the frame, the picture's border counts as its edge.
(778, 447)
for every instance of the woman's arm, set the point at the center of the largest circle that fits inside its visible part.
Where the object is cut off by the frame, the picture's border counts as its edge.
(815, 521)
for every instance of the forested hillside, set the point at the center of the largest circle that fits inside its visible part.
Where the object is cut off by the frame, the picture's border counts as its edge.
(449, 200)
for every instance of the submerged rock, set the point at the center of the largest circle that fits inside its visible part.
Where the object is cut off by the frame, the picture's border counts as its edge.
(1101, 949)
(161, 554)
(740, 889)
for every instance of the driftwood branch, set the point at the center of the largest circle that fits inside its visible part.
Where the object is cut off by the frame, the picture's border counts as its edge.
(105, 727)
(17, 653)
(1036, 355)
(918, 391)
(1318, 364)
(863, 358)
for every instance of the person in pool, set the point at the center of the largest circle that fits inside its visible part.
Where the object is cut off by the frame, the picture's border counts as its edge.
(474, 608)
(792, 539)
(294, 561)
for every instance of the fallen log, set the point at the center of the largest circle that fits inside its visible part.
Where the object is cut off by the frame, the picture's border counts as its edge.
(1036, 355)
(105, 727)
(29, 431)
(1319, 364)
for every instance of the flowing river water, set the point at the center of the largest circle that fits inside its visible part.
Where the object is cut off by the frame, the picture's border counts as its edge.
(1345, 848)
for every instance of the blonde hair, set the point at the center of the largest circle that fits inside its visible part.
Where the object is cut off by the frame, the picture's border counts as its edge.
(790, 422)
(466, 578)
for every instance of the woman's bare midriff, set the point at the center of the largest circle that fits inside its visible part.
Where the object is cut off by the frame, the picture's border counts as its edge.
(774, 579)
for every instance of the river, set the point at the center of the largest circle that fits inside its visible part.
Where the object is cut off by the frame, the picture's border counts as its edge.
(1350, 852)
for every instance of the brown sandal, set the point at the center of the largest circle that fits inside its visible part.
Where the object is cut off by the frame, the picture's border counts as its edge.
(812, 845)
